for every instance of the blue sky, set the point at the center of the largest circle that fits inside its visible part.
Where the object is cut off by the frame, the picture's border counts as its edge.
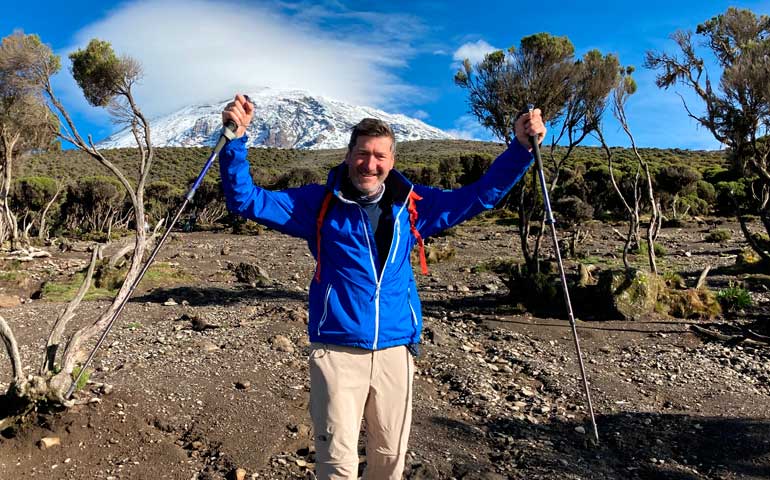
(399, 55)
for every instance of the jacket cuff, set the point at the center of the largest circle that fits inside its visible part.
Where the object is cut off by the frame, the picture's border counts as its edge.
(518, 149)
(236, 144)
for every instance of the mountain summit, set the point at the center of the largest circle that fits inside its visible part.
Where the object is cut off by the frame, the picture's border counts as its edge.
(282, 119)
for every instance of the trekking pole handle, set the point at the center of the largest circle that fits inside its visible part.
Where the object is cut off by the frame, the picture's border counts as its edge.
(228, 133)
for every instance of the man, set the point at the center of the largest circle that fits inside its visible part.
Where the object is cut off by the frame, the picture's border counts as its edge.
(364, 312)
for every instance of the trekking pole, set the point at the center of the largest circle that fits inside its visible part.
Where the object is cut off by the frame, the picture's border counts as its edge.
(228, 133)
(550, 221)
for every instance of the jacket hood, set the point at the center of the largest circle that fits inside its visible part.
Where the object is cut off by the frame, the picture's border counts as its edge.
(396, 182)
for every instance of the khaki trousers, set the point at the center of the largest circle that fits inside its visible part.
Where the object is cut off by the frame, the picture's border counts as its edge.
(347, 384)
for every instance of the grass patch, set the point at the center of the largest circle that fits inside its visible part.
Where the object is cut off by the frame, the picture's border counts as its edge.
(159, 274)
(660, 250)
(734, 298)
(164, 274)
(66, 290)
(12, 276)
(83, 380)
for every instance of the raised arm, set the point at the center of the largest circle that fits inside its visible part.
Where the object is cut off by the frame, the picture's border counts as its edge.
(292, 211)
(442, 209)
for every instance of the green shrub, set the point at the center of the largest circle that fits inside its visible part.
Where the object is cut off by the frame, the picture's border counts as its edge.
(573, 210)
(734, 298)
(297, 177)
(161, 199)
(660, 250)
(718, 235)
(93, 203)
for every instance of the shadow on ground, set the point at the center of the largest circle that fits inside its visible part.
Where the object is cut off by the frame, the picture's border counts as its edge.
(643, 446)
(207, 296)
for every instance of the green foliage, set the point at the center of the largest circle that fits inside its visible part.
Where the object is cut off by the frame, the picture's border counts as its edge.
(737, 102)
(734, 298)
(161, 199)
(99, 72)
(573, 210)
(83, 381)
(673, 280)
(298, 177)
(660, 250)
(503, 83)
(449, 170)
(587, 177)
(33, 192)
(93, 203)
(25, 121)
(718, 235)
(64, 291)
(732, 195)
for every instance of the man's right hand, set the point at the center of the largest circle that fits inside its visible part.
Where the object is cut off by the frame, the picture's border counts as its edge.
(240, 111)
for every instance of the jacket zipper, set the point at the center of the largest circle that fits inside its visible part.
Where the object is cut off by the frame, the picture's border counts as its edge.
(378, 282)
(398, 228)
(326, 308)
(409, 301)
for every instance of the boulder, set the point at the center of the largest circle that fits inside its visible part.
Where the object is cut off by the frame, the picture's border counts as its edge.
(254, 275)
(631, 294)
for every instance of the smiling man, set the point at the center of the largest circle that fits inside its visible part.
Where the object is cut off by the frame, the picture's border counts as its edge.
(365, 319)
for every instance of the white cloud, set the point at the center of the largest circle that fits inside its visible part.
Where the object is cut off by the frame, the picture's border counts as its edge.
(473, 51)
(421, 114)
(467, 127)
(196, 51)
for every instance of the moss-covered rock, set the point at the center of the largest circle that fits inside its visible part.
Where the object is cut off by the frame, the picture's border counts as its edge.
(693, 303)
(632, 294)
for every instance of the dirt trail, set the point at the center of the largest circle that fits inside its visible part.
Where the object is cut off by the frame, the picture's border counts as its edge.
(497, 394)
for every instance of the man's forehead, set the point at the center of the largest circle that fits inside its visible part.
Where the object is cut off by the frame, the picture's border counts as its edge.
(368, 141)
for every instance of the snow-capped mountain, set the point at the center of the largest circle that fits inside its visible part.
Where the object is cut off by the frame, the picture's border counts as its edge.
(284, 119)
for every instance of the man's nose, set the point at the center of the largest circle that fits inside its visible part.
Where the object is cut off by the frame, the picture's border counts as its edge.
(370, 162)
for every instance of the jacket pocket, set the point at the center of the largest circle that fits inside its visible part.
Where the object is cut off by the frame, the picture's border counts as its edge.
(326, 308)
(411, 308)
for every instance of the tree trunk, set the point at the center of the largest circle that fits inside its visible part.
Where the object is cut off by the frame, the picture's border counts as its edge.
(7, 218)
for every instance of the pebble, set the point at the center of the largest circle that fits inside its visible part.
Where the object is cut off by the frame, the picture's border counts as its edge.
(580, 429)
(48, 442)
(170, 303)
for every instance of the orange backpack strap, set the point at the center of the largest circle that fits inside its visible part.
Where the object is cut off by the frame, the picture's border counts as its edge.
(318, 223)
(413, 215)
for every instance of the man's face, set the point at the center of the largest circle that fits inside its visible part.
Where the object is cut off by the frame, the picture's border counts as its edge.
(369, 163)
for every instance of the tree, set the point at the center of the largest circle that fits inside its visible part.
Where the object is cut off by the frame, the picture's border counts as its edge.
(674, 183)
(107, 81)
(625, 86)
(737, 106)
(34, 197)
(543, 72)
(26, 124)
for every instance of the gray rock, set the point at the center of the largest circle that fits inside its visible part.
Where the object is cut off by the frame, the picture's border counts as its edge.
(282, 344)
(254, 275)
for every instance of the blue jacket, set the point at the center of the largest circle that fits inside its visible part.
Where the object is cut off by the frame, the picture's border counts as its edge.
(352, 305)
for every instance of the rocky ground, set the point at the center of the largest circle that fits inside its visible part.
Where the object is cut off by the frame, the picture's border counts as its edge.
(208, 375)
